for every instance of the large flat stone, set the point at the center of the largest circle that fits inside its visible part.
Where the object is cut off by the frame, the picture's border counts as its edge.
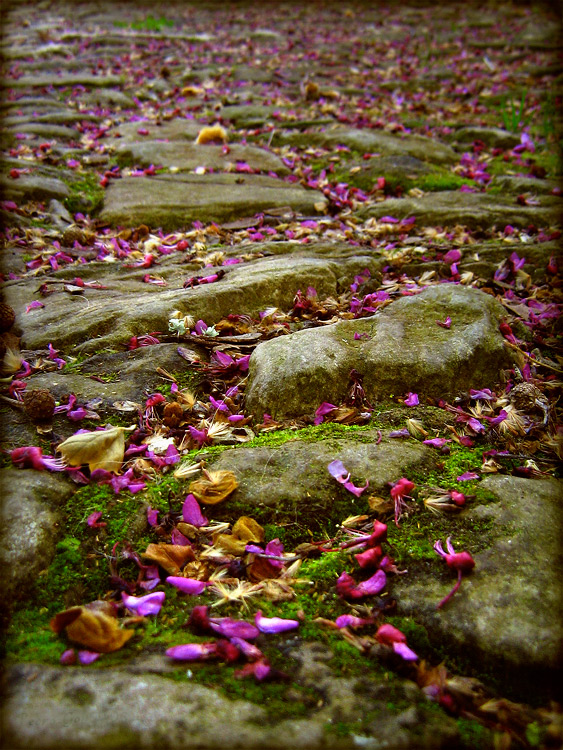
(103, 318)
(510, 609)
(474, 210)
(33, 187)
(186, 156)
(405, 351)
(29, 527)
(375, 141)
(174, 202)
(69, 79)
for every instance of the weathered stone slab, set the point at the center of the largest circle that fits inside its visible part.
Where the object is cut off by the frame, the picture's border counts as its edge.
(474, 210)
(50, 707)
(509, 610)
(247, 115)
(29, 526)
(33, 187)
(268, 476)
(46, 130)
(186, 156)
(405, 351)
(69, 79)
(492, 137)
(104, 318)
(173, 202)
(375, 141)
(172, 130)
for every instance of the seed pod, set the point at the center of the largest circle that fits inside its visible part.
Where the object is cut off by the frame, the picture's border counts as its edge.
(39, 404)
(7, 317)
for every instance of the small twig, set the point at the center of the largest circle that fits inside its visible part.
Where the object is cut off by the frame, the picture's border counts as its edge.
(12, 402)
(534, 360)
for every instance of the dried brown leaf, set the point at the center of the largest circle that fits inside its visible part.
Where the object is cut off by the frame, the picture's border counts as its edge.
(93, 627)
(101, 449)
(214, 487)
(171, 557)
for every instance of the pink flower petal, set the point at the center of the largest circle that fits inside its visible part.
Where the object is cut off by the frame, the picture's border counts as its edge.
(151, 604)
(274, 624)
(187, 585)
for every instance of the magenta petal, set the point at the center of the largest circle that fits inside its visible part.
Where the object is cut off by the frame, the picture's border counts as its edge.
(373, 585)
(337, 470)
(192, 651)
(251, 651)
(187, 585)
(151, 604)
(350, 621)
(88, 657)
(404, 652)
(191, 512)
(229, 628)
(411, 399)
(176, 537)
(68, 656)
(357, 491)
(274, 624)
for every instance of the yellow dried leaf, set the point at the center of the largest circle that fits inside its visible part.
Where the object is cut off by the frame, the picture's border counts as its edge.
(245, 530)
(214, 487)
(101, 449)
(211, 134)
(171, 557)
(93, 627)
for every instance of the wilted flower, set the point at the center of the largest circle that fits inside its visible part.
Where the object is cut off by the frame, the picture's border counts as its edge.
(391, 636)
(400, 489)
(347, 588)
(337, 470)
(274, 624)
(460, 561)
(188, 585)
(151, 604)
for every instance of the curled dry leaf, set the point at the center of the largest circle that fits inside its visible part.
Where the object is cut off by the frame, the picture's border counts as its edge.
(245, 530)
(171, 557)
(93, 626)
(101, 449)
(214, 487)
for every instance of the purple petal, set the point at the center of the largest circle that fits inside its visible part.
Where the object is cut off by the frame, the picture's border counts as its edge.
(357, 491)
(411, 399)
(251, 651)
(192, 651)
(350, 621)
(187, 585)
(151, 604)
(274, 624)
(68, 656)
(337, 470)
(437, 442)
(404, 652)
(373, 585)
(467, 476)
(230, 628)
(152, 516)
(191, 512)
(88, 657)
(176, 537)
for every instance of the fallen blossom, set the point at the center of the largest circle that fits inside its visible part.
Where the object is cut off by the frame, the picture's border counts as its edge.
(192, 651)
(388, 635)
(411, 399)
(460, 561)
(338, 471)
(187, 585)
(467, 476)
(93, 520)
(273, 624)
(191, 512)
(400, 490)
(347, 588)
(351, 621)
(151, 604)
